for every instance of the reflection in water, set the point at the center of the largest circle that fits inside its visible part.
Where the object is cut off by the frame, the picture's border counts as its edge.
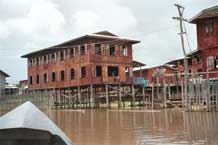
(97, 127)
(113, 127)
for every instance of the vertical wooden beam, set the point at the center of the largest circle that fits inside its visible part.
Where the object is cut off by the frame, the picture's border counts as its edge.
(60, 100)
(133, 96)
(120, 97)
(107, 96)
(69, 97)
(182, 94)
(79, 96)
(91, 97)
(143, 96)
(216, 93)
(169, 90)
(152, 97)
(158, 93)
(165, 95)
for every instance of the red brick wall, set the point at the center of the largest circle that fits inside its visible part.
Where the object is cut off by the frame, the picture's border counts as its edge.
(207, 40)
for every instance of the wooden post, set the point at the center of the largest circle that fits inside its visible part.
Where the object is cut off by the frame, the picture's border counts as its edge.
(165, 95)
(92, 98)
(182, 94)
(169, 90)
(152, 97)
(208, 92)
(133, 96)
(120, 97)
(69, 97)
(107, 96)
(79, 97)
(158, 94)
(56, 100)
(143, 96)
(60, 100)
(216, 93)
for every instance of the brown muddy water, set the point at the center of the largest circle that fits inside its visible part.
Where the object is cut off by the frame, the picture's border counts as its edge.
(127, 127)
(113, 127)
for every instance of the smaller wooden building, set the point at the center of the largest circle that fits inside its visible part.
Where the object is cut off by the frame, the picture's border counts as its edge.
(163, 72)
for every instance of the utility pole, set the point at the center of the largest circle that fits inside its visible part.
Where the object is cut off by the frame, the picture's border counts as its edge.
(181, 19)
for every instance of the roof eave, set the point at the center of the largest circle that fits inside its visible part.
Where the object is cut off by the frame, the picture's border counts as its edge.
(85, 36)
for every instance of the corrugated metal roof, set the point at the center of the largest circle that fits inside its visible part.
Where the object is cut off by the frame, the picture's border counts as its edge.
(207, 13)
(5, 74)
(100, 35)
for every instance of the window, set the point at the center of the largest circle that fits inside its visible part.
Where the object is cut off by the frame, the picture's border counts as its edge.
(113, 71)
(30, 62)
(182, 74)
(45, 78)
(72, 74)
(72, 52)
(127, 71)
(45, 59)
(125, 51)
(62, 55)
(37, 61)
(53, 57)
(98, 71)
(216, 62)
(53, 77)
(37, 79)
(83, 72)
(98, 49)
(62, 75)
(209, 26)
(199, 70)
(31, 80)
(49, 58)
(210, 61)
(82, 50)
(112, 50)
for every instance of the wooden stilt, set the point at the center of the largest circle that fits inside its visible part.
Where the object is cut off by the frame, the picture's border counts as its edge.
(92, 103)
(120, 97)
(133, 96)
(143, 96)
(79, 97)
(182, 94)
(152, 97)
(107, 96)
(56, 100)
(165, 95)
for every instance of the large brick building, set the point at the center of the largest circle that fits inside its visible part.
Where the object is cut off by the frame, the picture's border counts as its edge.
(93, 59)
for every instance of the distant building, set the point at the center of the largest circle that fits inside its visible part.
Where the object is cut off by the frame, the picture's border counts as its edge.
(11, 89)
(3, 77)
(163, 72)
(23, 87)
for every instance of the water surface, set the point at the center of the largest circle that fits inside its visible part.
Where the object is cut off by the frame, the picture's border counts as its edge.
(113, 127)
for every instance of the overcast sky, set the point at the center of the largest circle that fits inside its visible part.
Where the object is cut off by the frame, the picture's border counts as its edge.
(28, 25)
